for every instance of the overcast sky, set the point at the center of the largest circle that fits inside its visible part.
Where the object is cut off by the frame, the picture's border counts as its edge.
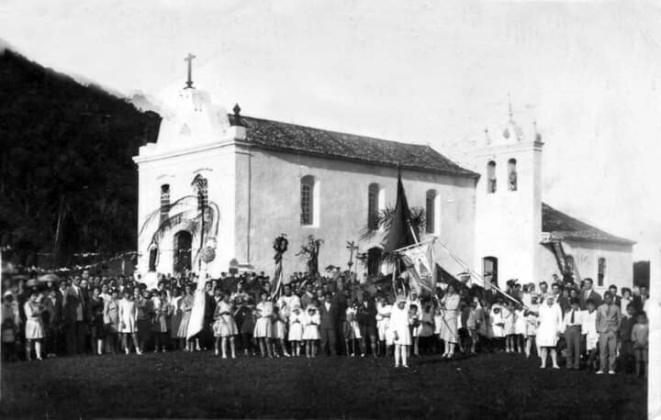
(429, 72)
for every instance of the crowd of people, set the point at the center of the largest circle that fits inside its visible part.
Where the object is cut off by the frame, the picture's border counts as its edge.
(314, 315)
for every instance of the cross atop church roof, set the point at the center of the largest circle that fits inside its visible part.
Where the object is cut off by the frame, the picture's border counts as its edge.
(189, 82)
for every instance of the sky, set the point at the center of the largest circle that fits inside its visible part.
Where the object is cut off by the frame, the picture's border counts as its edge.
(439, 73)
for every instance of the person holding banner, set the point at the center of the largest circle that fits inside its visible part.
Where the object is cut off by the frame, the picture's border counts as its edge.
(449, 309)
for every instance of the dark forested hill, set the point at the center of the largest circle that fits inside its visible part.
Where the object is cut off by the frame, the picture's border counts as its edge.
(65, 164)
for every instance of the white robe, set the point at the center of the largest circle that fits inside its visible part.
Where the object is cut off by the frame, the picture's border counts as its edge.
(550, 323)
(399, 323)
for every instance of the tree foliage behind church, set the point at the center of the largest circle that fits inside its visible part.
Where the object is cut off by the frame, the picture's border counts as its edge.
(65, 155)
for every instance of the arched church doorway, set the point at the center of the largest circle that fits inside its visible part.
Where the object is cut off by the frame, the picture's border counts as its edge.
(374, 261)
(183, 242)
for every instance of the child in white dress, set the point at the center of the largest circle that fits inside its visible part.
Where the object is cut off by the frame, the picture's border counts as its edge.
(311, 331)
(519, 328)
(224, 327)
(296, 330)
(401, 331)
(263, 326)
(508, 320)
(128, 320)
(531, 325)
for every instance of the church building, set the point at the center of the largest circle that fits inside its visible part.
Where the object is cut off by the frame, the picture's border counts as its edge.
(216, 189)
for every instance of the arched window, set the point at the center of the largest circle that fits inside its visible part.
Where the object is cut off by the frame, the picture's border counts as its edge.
(490, 271)
(432, 218)
(165, 202)
(511, 175)
(373, 206)
(491, 177)
(307, 200)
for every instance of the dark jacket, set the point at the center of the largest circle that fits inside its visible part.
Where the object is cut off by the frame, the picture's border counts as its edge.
(328, 317)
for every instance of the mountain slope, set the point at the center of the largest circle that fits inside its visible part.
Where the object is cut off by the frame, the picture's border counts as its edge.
(65, 160)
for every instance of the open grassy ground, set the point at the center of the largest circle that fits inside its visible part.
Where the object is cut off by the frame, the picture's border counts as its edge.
(201, 386)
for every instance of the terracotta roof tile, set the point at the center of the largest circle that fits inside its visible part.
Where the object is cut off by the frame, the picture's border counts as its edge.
(291, 138)
(563, 226)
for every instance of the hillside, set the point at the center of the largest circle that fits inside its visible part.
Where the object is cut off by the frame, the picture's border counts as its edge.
(65, 161)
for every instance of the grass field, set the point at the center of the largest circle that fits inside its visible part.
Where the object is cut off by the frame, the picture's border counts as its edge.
(200, 385)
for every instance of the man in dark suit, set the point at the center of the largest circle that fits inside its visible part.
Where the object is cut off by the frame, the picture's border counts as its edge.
(617, 300)
(328, 323)
(589, 293)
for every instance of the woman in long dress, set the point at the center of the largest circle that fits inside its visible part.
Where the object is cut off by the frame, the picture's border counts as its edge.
(224, 327)
(550, 323)
(34, 324)
(450, 310)
(263, 326)
(400, 330)
(186, 307)
(128, 320)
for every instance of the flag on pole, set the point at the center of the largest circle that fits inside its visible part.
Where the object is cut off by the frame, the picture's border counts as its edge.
(196, 322)
(420, 264)
(400, 233)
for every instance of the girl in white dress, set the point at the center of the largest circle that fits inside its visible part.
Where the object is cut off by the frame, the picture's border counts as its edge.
(263, 326)
(128, 314)
(550, 324)
(352, 330)
(279, 330)
(34, 324)
(311, 330)
(224, 327)
(383, 311)
(401, 331)
(519, 328)
(531, 326)
(296, 330)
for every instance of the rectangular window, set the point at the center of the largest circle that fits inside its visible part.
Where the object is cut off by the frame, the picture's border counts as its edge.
(601, 271)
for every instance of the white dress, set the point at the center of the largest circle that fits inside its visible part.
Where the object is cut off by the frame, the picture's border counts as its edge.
(224, 325)
(550, 323)
(128, 313)
(531, 321)
(311, 321)
(34, 324)
(450, 313)
(399, 325)
(263, 326)
(519, 322)
(296, 325)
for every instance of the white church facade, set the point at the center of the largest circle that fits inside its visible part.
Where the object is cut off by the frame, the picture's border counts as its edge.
(233, 183)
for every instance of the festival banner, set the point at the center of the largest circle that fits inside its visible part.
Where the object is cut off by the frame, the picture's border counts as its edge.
(196, 322)
(420, 264)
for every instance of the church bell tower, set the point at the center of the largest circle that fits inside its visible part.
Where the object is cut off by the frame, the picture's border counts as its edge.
(509, 204)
